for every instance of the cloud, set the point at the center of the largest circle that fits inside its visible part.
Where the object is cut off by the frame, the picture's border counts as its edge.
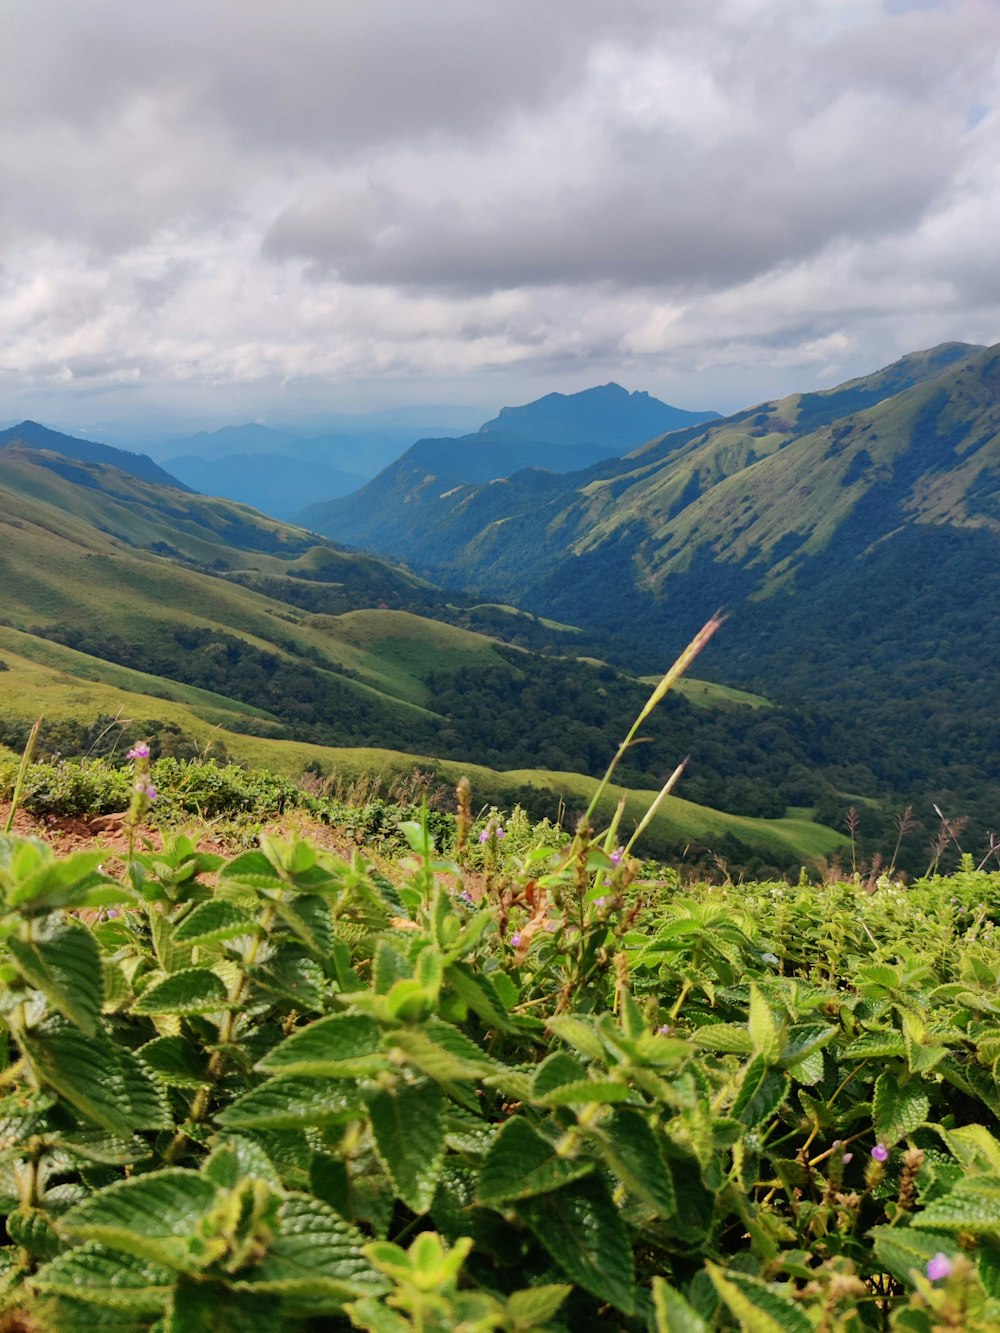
(284, 202)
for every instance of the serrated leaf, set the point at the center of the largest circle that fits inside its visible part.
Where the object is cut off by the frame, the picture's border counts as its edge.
(66, 967)
(105, 1082)
(237, 1158)
(760, 1308)
(152, 1217)
(171, 956)
(176, 1061)
(479, 993)
(761, 1093)
(897, 1109)
(556, 1071)
(972, 1144)
(409, 1129)
(205, 1307)
(293, 974)
(316, 1256)
(440, 1051)
(631, 1150)
(877, 1046)
(339, 1046)
(727, 1037)
(309, 918)
(292, 1102)
(195, 990)
(586, 1091)
(805, 1042)
(212, 922)
(904, 1249)
(251, 870)
(521, 1162)
(578, 1032)
(763, 1029)
(534, 1307)
(107, 1279)
(117, 991)
(583, 1231)
(38, 883)
(973, 1205)
(673, 1313)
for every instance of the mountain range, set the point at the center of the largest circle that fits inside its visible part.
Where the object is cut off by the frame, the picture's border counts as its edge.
(853, 536)
(205, 622)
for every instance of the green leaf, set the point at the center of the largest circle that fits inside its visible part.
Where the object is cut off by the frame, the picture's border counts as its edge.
(316, 1257)
(308, 916)
(152, 1217)
(903, 1249)
(897, 1109)
(673, 1313)
(578, 1032)
(251, 870)
(805, 1042)
(236, 1159)
(408, 1124)
(972, 1205)
(761, 1093)
(480, 994)
(759, 1307)
(339, 1046)
(586, 1091)
(108, 1279)
(195, 990)
(440, 1051)
(521, 1163)
(292, 1102)
(726, 1037)
(292, 974)
(105, 1082)
(763, 1030)
(210, 1307)
(631, 1150)
(176, 1061)
(535, 1307)
(214, 921)
(556, 1071)
(583, 1232)
(66, 967)
(877, 1046)
(37, 883)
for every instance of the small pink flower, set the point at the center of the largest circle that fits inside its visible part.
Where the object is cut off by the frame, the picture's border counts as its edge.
(847, 1157)
(515, 939)
(485, 835)
(617, 854)
(664, 1030)
(880, 1152)
(938, 1267)
(140, 751)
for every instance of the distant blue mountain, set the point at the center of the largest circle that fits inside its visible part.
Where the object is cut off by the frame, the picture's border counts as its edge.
(37, 436)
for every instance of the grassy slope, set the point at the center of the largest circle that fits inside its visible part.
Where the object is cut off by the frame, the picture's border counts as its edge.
(30, 686)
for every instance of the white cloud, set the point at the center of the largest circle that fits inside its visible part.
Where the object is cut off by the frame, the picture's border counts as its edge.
(310, 203)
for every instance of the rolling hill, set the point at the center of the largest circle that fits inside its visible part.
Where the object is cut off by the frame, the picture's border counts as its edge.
(853, 535)
(118, 594)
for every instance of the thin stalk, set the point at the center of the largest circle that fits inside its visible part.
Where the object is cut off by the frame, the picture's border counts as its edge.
(672, 676)
(664, 792)
(22, 773)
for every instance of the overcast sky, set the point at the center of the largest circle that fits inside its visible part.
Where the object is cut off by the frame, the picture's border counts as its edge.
(218, 211)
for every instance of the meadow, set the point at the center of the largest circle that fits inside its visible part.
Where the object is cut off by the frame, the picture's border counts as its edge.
(372, 1065)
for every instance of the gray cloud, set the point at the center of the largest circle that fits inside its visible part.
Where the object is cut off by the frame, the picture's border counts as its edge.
(243, 206)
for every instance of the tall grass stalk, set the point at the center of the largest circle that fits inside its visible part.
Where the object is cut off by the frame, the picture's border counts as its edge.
(662, 795)
(672, 676)
(22, 773)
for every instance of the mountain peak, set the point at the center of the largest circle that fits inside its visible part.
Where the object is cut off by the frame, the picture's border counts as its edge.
(606, 415)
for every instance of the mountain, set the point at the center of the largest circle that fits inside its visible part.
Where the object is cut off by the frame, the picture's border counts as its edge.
(281, 472)
(205, 617)
(279, 485)
(853, 536)
(558, 433)
(86, 451)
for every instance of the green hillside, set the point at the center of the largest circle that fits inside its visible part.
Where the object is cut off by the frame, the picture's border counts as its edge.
(852, 536)
(230, 629)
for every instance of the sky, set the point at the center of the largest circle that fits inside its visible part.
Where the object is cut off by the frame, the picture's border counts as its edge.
(221, 211)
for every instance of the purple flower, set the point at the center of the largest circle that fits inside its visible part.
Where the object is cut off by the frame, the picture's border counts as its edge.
(140, 751)
(938, 1267)
(617, 854)
(664, 1030)
(515, 939)
(485, 835)
(599, 902)
(466, 897)
(880, 1152)
(847, 1157)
